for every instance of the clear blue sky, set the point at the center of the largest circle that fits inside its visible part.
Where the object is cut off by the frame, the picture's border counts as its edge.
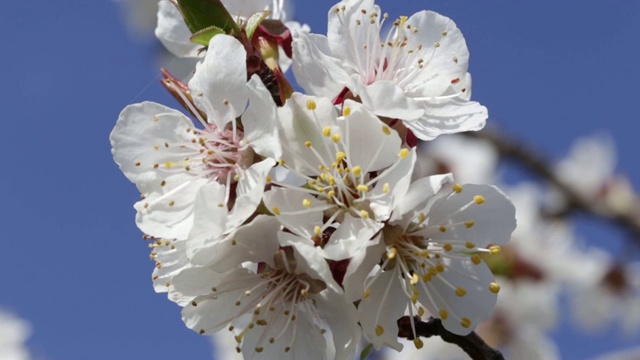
(73, 262)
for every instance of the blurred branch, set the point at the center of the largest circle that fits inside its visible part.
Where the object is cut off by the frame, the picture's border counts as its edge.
(472, 344)
(540, 166)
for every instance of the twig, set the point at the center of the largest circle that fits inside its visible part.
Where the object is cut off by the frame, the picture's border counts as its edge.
(540, 166)
(472, 344)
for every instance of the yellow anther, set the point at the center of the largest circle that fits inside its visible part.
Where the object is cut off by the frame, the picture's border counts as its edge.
(364, 214)
(311, 105)
(444, 314)
(403, 19)
(447, 247)
(414, 298)
(168, 164)
(336, 138)
(306, 203)
(457, 188)
(461, 292)
(367, 293)
(442, 229)
(391, 253)
(440, 267)
(340, 156)
(421, 311)
(346, 111)
(469, 245)
(476, 259)
(478, 199)
(414, 279)
(469, 224)
(268, 179)
(379, 330)
(465, 322)
(307, 143)
(433, 271)
(385, 188)
(403, 153)
(320, 189)
(422, 217)
(276, 211)
(386, 130)
(357, 170)
(426, 277)
(326, 131)
(281, 162)
(494, 287)
(320, 167)
(418, 343)
(317, 230)
(494, 249)
(362, 187)
(331, 194)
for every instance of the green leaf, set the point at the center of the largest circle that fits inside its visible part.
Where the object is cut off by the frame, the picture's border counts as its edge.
(255, 21)
(203, 14)
(366, 352)
(203, 36)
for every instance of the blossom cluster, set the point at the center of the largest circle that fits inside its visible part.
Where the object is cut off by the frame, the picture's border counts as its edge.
(299, 221)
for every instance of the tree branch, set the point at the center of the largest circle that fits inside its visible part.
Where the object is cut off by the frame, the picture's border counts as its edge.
(472, 344)
(540, 166)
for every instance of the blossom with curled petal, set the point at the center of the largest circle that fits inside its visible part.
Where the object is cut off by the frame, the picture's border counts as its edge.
(278, 304)
(416, 73)
(170, 159)
(432, 261)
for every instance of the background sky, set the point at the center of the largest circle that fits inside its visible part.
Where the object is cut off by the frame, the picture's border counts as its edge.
(73, 262)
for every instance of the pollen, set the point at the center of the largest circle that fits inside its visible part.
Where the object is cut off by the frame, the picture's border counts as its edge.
(367, 293)
(442, 229)
(414, 279)
(326, 131)
(444, 314)
(469, 224)
(455, 81)
(171, 203)
(391, 253)
(357, 170)
(461, 292)
(225, 102)
(307, 143)
(336, 138)
(276, 210)
(268, 179)
(418, 343)
(469, 245)
(403, 153)
(385, 188)
(362, 187)
(440, 267)
(494, 249)
(317, 230)
(447, 247)
(346, 111)
(168, 164)
(457, 188)
(422, 217)
(138, 163)
(364, 214)
(379, 330)
(465, 322)
(478, 199)
(386, 130)
(494, 287)
(476, 259)
(311, 105)
(421, 311)
(340, 155)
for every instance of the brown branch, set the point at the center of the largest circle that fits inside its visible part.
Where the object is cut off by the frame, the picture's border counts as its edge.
(540, 166)
(472, 344)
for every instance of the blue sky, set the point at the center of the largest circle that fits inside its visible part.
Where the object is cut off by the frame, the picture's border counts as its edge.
(74, 264)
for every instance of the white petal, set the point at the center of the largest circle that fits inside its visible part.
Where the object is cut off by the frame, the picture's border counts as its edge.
(370, 143)
(173, 32)
(352, 236)
(447, 117)
(383, 307)
(475, 305)
(293, 214)
(191, 283)
(418, 195)
(398, 180)
(384, 98)
(315, 70)
(360, 265)
(249, 192)
(219, 84)
(138, 140)
(260, 121)
(490, 222)
(342, 319)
